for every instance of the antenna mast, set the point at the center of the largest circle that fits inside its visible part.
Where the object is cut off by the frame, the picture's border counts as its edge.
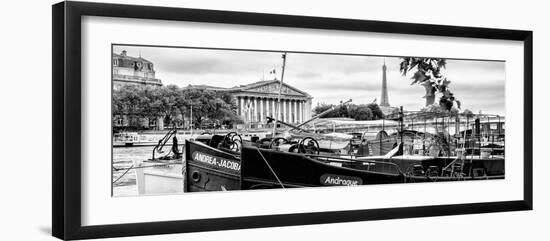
(278, 107)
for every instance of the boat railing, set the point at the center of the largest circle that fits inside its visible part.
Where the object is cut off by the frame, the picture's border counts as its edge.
(388, 167)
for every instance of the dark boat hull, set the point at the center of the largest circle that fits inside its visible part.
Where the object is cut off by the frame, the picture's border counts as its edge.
(473, 169)
(263, 168)
(210, 169)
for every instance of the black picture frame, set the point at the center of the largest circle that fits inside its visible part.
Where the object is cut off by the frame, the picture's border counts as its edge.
(66, 127)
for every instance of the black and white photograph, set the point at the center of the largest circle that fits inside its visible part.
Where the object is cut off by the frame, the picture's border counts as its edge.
(192, 119)
(275, 120)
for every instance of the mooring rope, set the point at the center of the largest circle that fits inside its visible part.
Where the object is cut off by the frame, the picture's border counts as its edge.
(271, 169)
(138, 167)
(123, 174)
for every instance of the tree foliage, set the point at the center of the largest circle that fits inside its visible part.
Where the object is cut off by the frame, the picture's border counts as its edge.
(467, 113)
(428, 74)
(376, 111)
(358, 112)
(174, 104)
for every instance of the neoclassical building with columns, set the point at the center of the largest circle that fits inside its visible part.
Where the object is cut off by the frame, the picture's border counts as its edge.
(258, 100)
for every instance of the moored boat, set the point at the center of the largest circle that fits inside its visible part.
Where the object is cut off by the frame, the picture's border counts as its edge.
(265, 168)
(300, 161)
(208, 168)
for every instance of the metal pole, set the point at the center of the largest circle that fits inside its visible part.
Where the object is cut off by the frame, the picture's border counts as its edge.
(479, 137)
(493, 141)
(465, 135)
(191, 120)
(500, 133)
(424, 139)
(401, 122)
(490, 135)
(413, 134)
(278, 106)
(448, 135)
(380, 141)
(499, 126)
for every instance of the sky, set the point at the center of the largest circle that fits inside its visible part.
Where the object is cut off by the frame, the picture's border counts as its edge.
(329, 78)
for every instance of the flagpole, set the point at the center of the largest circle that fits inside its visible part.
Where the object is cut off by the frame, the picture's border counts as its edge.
(278, 107)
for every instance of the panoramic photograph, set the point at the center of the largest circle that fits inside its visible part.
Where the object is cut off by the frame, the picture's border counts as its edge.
(201, 119)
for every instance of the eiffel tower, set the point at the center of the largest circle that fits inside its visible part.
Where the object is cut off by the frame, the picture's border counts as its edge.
(384, 100)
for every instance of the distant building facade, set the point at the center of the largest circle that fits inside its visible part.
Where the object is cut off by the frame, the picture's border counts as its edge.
(257, 101)
(128, 70)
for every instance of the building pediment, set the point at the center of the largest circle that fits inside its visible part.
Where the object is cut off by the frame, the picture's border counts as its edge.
(272, 87)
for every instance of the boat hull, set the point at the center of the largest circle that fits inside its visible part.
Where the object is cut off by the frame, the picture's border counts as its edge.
(210, 169)
(263, 169)
(473, 168)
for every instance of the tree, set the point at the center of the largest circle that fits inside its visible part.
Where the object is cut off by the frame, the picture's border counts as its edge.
(467, 113)
(361, 112)
(428, 74)
(376, 111)
(173, 103)
(436, 110)
(170, 104)
(129, 102)
(358, 112)
(211, 105)
(321, 107)
(199, 100)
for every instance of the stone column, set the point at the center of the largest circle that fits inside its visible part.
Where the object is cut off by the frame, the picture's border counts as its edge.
(291, 119)
(299, 104)
(302, 119)
(255, 112)
(262, 117)
(244, 108)
(289, 111)
(273, 112)
(308, 108)
(267, 111)
(268, 106)
(247, 109)
(238, 105)
(296, 111)
(241, 106)
(282, 108)
(283, 102)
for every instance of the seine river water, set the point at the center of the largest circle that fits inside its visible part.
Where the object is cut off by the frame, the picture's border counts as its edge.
(123, 158)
